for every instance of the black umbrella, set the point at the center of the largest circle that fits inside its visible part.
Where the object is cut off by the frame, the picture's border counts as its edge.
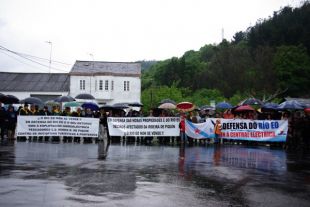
(32, 100)
(85, 96)
(64, 99)
(1, 96)
(168, 101)
(252, 101)
(135, 104)
(10, 99)
(121, 105)
(107, 107)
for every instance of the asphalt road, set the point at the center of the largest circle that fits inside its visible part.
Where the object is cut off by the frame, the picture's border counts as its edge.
(68, 174)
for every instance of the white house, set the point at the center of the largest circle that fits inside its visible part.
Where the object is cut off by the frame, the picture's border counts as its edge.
(108, 82)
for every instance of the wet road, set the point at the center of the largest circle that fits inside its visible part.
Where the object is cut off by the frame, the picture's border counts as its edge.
(46, 174)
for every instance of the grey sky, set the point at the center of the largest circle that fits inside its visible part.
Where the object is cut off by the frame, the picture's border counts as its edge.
(119, 30)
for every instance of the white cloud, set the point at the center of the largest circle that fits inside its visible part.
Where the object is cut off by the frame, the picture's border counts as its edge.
(121, 30)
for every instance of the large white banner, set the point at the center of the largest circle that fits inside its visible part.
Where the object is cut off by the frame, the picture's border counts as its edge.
(57, 126)
(144, 126)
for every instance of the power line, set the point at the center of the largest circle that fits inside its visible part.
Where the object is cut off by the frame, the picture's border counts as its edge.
(20, 60)
(29, 59)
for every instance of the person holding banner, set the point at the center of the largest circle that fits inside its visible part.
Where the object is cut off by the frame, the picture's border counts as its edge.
(67, 112)
(45, 111)
(55, 111)
(182, 129)
(217, 130)
(89, 114)
(12, 120)
(77, 113)
(24, 111)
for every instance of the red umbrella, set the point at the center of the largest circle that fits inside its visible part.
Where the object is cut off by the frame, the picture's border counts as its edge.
(244, 108)
(307, 110)
(185, 106)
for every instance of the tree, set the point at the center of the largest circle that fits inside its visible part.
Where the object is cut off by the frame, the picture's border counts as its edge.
(292, 65)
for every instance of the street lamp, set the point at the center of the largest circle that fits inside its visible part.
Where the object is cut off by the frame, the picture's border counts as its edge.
(49, 42)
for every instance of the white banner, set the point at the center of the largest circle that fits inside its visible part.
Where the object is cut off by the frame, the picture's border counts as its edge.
(144, 126)
(240, 129)
(57, 126)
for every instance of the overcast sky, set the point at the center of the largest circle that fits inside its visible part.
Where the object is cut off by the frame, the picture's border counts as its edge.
(119, 30)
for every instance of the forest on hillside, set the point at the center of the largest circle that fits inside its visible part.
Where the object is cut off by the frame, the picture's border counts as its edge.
(269, 60)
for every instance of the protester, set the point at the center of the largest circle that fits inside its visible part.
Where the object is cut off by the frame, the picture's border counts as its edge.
(45, 111)
(24, 111)
(182, 129)
(33, 110)
(3, 121)
(12, 120)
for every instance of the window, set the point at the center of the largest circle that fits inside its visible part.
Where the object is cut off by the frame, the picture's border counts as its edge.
(82, 84)
(100, 85)
(112, 85)
(126, 85)
(106, 85)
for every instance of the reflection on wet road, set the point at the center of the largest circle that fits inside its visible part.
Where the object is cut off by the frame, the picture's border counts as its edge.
(46, 174)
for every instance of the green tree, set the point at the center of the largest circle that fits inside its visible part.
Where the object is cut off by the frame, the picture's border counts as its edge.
(292, 65)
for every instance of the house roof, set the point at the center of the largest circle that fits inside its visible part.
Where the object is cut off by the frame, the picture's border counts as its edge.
(106, 68)
(49, 82)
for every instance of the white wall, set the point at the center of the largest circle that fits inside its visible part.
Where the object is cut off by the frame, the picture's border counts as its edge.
(109, 96)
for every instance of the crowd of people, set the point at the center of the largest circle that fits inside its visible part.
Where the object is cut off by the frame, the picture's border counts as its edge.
(8, 117)
(299, 121)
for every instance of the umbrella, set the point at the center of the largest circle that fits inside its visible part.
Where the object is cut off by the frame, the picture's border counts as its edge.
(185, 106)
(167, 101)
(64, 99)
(270, 106)
(135, 104)
(292, 104)
(86, 96)
(10, 99)
(223, 105)
(72, 104)
(244, 108)
(206, 107)
(167, 106)
(307, 110)
(121, 106)
(52, 103)
(107, 107)
(32, 100)
(90, 105)
(1, 96)
(252, 101)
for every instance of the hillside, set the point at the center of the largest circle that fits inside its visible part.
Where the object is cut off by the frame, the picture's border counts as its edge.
(270, 57)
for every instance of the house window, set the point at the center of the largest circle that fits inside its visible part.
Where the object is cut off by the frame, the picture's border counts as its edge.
(126, 85)
(106, 85)
(82, 84)
(112, 85)
(100, 85)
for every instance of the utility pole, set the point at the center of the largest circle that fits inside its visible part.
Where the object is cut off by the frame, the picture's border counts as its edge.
(49, 42)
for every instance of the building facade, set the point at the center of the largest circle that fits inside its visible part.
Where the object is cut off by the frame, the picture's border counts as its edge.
(108, 82)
